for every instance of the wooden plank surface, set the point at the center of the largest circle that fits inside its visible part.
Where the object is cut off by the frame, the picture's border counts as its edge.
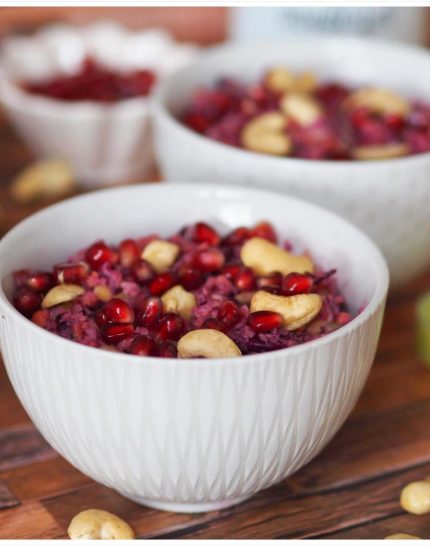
(350, 490)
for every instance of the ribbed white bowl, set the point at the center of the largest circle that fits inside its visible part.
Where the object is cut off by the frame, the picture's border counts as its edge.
(104, 143)
(190, 435)
(387, 199)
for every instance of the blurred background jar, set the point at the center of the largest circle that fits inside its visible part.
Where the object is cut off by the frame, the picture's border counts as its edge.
(394, 23)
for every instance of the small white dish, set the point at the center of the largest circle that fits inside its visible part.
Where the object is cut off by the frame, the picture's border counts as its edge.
(190, 435)
(104, 143)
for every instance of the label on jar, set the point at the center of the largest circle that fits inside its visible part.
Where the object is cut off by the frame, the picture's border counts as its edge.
(396, 23)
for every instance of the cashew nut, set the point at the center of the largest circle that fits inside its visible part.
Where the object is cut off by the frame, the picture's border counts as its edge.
(61, 294)
(178, 300)
(380, 101)
(266, 134)
(207, 343)
(103, 293)
(415, 498)
(306, 82)
(264, 257)
(50, 178)
(296, 310)
(402, 536)
(381, 151)
(301, 108)
(160, 254)
(279, 80)
(97, 524)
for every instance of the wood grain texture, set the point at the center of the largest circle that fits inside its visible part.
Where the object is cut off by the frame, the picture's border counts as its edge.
(22, 445)
(7, 499)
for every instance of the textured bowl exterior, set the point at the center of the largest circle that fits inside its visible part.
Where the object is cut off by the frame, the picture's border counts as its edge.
(189, 435)
(104, 143)
(387, 199)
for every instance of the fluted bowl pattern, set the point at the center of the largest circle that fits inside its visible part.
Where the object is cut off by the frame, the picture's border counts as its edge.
(386, 199)
(190, 435)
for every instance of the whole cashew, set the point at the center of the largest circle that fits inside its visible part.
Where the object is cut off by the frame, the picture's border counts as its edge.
(207, 343)
(265, 257)
(160, 254)
(380, 151)
(49, 178)
(178, 300)
(415, 498)
(279, 80)
(97, 524)
(305, 82)
(402, 536)
(266, 134)
(301, 108)
(296, 310)
(380, 101)
(61, 294)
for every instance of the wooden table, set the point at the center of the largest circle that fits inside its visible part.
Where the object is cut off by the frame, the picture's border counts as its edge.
(351, 490)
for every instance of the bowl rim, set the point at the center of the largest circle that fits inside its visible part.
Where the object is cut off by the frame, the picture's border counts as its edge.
(377, 299)
(159, 103)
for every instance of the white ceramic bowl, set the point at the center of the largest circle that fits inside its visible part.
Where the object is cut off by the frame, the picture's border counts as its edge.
(387, 199)
(104, 143)
(190, 435)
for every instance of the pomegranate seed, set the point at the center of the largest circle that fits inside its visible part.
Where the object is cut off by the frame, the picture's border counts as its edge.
(272, 282)
(142, 271)
(231, 271)
(129, 252)
(265, 231)
(40, 281)
(209, 260)
(228, 313)
(237, 236)
(394, 121)
(203, 233)
(144, 346)
(100, 318)
(190, 278)
(71, 273)
(118, 311)
(149, 311)
(98, 254)
(343, 317)
(296, 283)
(41, 318)
(213, 324)
(245, 281)
(264, 321)
(167, 349)
(161, 283)
(114, 333)
(27, 301)
(171, 326)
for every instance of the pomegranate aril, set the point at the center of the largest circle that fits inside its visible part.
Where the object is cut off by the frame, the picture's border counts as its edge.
(272, 282)
(171, 326)
(167, 349)
(149, 311)
(144, 346)
(237, 236)
(98, 254)
(213, 324)
(71, 273)
(231, 271)
(296, 283)
(118, 311)
(100, 318)
(142, 271)
(204, 233)
(40, 281)
(41, 318)
(190, 278)
(161, 283)
(129, 252)
(27, 301)
(228, 313)
(245, 280)
(264, 321)
(114, 333)
(209, 260)
(265, 231)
